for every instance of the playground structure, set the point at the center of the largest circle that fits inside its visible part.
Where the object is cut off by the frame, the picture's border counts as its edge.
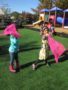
(65, 22)
(45, 15)
(41, 18)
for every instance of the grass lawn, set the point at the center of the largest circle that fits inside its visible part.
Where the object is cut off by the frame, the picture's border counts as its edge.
(54, 77)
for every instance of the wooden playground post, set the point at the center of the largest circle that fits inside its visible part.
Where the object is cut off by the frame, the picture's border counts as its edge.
(63, 20)
(49, 16)
(55, 19)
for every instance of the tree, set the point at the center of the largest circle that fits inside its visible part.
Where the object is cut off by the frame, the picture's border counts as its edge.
(62, 4)
(50, 3)
(15, 14)
(45, 4)
(42, 4)
(5, 10)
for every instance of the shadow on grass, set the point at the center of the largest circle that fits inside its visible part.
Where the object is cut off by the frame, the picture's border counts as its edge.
(64, 57)
(50, 61)
(40, 63)
(3, 38)
(25, 47)
(29, 46)
(4, 50)
(27, 65)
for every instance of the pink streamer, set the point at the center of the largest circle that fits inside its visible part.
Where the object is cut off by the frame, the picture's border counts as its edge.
(56, 47)
(11, 30)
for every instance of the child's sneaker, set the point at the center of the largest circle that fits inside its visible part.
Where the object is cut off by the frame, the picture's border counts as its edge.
(11, 68)
(33, 66)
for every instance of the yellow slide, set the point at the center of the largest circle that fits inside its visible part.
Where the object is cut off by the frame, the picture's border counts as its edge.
(41, 18)
(37, 22)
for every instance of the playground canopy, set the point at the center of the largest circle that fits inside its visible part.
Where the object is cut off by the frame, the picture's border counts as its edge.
(66, 10)
(52, 9)
(44, 10)
(55, 9)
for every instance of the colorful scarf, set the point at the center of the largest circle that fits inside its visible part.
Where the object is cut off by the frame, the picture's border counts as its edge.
(11, 30)
(56, 47)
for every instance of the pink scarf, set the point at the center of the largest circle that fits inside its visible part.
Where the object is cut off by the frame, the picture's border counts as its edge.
(11, 30)
(56, 47)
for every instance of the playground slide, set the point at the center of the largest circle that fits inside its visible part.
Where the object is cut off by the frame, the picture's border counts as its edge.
(60, 21)
(37, 22)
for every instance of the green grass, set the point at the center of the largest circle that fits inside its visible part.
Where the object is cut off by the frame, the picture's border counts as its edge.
(54, 77)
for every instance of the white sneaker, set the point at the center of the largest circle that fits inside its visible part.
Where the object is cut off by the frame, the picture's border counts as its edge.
(33, 66)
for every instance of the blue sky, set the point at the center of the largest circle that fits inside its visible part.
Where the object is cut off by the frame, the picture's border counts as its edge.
(20, 5)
